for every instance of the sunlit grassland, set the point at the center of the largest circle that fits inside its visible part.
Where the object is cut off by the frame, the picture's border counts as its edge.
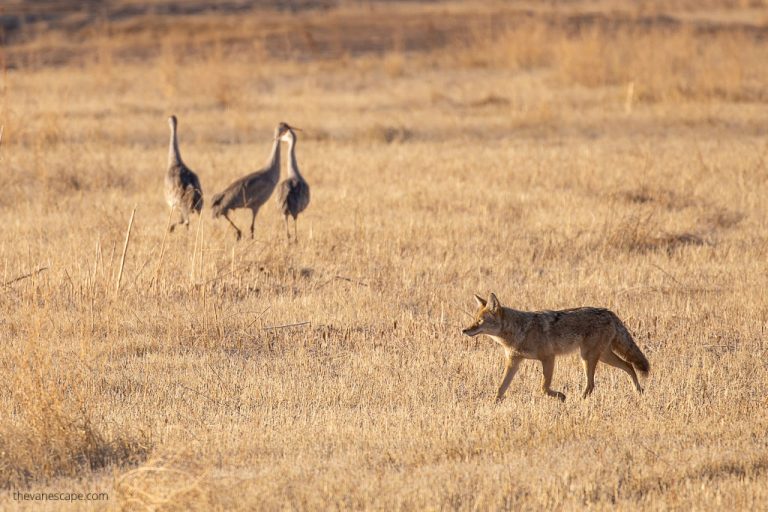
(331, 373)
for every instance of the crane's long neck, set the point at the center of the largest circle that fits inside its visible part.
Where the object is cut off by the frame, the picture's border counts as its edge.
(174, 157)
(273, 163)
(293, 167)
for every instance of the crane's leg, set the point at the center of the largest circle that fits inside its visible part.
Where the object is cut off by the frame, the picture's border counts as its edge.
(295, 229)
(181, 220)
(253, 221)
(237, 230)
(185, 217)
(287, 230)
(170, 216)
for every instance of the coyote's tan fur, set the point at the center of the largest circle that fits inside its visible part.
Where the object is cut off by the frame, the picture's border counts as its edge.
(597, 333)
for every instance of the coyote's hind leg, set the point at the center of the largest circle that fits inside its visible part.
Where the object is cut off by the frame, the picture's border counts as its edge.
(612, 359)
(590, 363)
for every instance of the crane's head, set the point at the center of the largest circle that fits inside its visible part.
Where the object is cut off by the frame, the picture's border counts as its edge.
(172, 121)
(285, 132)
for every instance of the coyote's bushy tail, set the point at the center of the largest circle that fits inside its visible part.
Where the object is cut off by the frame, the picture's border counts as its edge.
(625, 346)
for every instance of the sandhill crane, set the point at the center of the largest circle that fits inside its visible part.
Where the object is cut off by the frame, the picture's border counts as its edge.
(182, 187)
(293, 194)
(253, 190)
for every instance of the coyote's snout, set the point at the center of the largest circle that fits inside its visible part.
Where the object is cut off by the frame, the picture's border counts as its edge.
(596, 333)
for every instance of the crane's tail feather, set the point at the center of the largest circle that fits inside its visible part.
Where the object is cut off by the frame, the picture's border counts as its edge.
(216, 201)
(197, 204)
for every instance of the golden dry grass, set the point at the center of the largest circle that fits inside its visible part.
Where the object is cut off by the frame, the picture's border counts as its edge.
(509, 160)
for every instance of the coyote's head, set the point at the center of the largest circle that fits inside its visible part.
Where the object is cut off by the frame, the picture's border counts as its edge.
(487, 318)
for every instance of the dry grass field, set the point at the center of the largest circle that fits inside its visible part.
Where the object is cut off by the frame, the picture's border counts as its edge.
(560, 154)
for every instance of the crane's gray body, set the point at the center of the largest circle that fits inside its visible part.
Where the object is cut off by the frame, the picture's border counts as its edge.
(251, 191)
(293, 194)
(182, 186)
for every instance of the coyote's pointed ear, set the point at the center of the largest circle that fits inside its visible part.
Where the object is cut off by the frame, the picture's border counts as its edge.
(493, 303)
(480, 301)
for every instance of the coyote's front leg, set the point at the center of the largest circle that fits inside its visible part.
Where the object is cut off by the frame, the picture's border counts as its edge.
(513, 363)
(548, 367)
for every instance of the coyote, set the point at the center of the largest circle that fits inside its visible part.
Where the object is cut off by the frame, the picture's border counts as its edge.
(597, 333)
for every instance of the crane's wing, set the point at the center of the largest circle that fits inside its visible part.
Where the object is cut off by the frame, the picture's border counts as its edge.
(190, 180)
(299, 197)
(191, 184)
